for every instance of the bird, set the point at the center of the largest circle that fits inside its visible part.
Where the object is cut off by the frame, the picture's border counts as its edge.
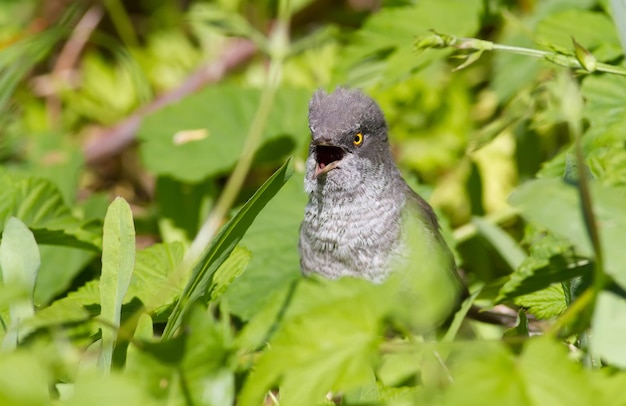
(362, 219)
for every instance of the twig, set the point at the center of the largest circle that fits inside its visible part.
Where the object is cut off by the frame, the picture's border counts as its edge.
(109, 141)
(580, 59)
(64, 67)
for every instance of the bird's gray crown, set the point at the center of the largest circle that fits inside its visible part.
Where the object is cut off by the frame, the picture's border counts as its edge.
(344, 112)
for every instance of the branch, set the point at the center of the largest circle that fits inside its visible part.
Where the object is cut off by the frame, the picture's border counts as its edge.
(109, 141)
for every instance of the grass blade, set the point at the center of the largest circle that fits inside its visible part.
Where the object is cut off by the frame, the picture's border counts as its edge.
(222, 246)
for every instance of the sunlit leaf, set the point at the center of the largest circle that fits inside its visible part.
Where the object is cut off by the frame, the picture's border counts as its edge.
(555, 205)
(226, 113)
(608, 328)
(118, 261)
(222, 246)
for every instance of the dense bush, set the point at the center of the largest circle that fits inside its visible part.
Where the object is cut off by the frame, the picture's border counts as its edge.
(508, 116)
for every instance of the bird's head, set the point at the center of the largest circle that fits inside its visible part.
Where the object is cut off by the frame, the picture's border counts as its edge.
(348, 139)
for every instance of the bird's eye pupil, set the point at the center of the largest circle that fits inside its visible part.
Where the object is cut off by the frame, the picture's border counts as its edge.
(358, 139)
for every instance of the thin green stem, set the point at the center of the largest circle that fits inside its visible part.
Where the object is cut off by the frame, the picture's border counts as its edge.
(572, 312)
(121, 21)
(279, 41)
(438, 40)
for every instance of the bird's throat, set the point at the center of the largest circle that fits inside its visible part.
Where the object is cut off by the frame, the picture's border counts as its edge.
(327, 158)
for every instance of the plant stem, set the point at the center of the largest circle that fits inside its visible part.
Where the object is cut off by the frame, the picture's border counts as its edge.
(278, 43)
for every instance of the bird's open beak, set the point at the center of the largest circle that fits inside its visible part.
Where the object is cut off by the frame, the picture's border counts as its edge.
(327, 158)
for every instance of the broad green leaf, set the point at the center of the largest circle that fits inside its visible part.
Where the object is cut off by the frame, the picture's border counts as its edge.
(77, 306)
(608, 329)
(327, 342)
(273, 242)
(504, 244)
(605, 96)
(487, 374)
(222, 245)
(381, 51)
(59, 266)
(156, 279)
(19, 261)
(544, 366)
(544, 304)
(206, 365)
(221, 117)
(555, 205)
(39, 204)
(593, 30)
(551, 260)
(195, 367)
(230, 270)
(182, 207)
(118, 261)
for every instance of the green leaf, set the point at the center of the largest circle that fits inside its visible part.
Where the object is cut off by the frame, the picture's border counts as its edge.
(381, 51)
(39, 204)
(118, 261)
(501, 242)
(193, 368)
(594, 30)
(230, 270)
(221, 115)
(24, 380)
(273, 242)
(604, 96)
(328, 341)
(490, 374)
(182, 207)
(222, 246)
(157, 280)
(59, 266)
(555, 205)
(546, 303)
(551, 260)
(608, 328)
(19, 260)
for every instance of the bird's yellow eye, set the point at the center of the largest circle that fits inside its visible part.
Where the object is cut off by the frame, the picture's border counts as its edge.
(358, 139)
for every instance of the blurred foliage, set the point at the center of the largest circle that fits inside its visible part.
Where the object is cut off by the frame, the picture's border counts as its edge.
(518, 141)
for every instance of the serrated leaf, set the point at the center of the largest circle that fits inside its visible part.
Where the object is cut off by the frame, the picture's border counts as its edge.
(327, 342)
(222, 246)
(118, 261)
(544, 304)
(156, 279)
(551, 260)
(555, 205)
(225, 112)
(39, 204)
(608, 328)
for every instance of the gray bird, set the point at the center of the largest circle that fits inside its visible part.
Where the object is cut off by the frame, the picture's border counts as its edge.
(362, 219)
